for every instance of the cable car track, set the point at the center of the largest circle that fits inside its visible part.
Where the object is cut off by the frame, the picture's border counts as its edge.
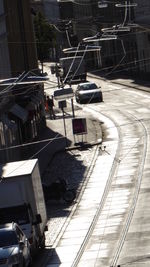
(124, 134)
(135, 197)
(77, 259)
(124, 231)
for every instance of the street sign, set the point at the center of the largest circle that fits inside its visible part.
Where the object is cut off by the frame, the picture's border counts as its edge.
(62, 104)
(79, 126)
(63, 93)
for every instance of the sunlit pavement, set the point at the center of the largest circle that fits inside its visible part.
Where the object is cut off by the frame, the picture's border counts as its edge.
(67, 247)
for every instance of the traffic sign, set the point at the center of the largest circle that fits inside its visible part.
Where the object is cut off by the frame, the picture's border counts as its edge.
(63, 93)
(79, 126)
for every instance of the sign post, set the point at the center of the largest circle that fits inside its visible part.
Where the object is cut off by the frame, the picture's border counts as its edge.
(63, 94)
(62, 104)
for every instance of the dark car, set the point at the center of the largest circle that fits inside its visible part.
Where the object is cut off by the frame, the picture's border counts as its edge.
(88, 92)
(14, 247)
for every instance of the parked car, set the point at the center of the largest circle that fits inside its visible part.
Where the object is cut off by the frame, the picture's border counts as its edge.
(88, 92)
(14, 247)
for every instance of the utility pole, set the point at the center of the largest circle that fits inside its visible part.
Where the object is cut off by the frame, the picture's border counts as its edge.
(57, 75)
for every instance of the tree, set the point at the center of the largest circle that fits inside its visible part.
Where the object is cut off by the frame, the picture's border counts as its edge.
(45, 37)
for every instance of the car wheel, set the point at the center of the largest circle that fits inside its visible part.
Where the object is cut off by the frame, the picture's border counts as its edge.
(30, 262)
(100, 99)
(24, 263)
(77, 100)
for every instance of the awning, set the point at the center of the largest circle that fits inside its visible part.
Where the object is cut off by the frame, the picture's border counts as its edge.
(64, 93)
(19, 112)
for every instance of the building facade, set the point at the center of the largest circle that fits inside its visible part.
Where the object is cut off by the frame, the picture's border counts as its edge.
(22, 110)
(129, 53)
(17, 45)
(22, 118)
(142, 17)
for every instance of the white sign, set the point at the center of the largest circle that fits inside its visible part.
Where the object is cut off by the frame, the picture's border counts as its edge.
(63, 93)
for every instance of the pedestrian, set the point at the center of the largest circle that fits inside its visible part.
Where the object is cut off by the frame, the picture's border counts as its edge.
(50, 104)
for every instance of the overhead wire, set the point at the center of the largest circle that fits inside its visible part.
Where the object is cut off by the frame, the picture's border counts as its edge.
(56, 135)
(19, 79)
(71, 65)
(51, 140)
(35, 154)
(115, 67)
(82, 58)
(32, 143)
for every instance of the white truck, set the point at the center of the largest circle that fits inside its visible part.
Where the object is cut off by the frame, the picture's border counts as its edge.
(22, 200)
(73, 68)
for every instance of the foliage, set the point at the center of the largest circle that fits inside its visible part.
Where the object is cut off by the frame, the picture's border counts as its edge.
(45, 36)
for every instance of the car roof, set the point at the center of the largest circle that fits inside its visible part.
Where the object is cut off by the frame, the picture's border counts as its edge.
(86, 83)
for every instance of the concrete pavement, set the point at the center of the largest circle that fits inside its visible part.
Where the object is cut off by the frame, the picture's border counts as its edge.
(59, 136)
(59, 133)
(60, 253)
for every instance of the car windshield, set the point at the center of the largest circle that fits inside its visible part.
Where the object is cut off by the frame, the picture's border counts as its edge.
(7, 238)
(17, 214)
(88, 86)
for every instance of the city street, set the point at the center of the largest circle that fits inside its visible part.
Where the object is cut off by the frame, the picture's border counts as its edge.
(125, 129)
(75, 133)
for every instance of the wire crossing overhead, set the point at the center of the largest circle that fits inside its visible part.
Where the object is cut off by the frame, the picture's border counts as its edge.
(103, 37)
(126, 5)
(116, 29)
(126, 26)
(89, 48)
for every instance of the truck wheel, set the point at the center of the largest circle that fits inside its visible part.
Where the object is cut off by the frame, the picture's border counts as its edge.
(69, 195)
(30, 262)
(24, 263)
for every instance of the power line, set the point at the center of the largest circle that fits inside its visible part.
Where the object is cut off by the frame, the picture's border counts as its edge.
(33, 143)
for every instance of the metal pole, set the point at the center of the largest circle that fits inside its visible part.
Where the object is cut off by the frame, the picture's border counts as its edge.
(57, 75)
(64, 126)
(73, 113)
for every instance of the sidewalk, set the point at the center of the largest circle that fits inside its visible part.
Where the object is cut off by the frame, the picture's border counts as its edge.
(59, 133)
(59, 140)
(60, 137)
